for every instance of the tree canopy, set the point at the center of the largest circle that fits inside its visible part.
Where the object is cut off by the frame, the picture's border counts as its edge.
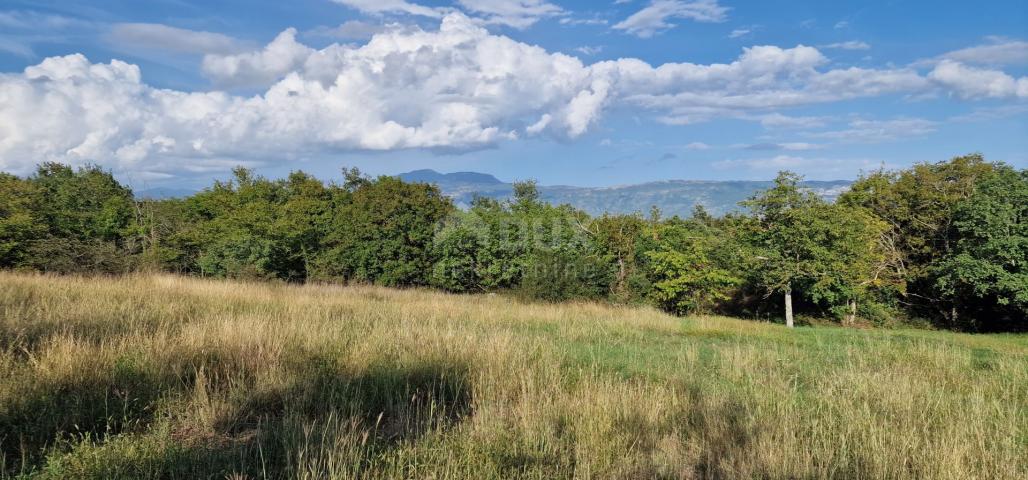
(945, 242)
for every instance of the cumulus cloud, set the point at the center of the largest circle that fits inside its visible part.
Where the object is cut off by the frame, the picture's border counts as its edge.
(657, 16)
(455, 88)
(163, 37)
(763, 78)
(283, 55)
(971, 82)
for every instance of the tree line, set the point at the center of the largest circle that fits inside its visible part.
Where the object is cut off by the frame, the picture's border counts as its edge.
(939, 243)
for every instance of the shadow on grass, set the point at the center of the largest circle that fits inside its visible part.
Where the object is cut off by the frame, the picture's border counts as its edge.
(82, 431)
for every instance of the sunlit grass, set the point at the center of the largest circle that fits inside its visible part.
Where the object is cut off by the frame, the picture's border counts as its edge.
(171, 377)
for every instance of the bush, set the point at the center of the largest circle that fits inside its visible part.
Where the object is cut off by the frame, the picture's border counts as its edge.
(559, 275)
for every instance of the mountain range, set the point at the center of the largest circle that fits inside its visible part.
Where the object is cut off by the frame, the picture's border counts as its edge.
(672, 197)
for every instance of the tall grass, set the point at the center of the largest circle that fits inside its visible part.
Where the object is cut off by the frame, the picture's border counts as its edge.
(170, 377)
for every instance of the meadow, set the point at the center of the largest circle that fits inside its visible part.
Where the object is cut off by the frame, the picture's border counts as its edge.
(161, 376)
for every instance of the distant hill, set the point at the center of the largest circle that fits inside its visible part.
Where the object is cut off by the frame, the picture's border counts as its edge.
(673, 197)
(432, 176)
(162, 193)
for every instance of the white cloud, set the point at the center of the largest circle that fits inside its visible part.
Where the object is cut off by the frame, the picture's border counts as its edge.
(814, 167)
(379, 7)
(512, 13)
(589, 50)
(850, 45)
(764, 78)
(348, 30)
(456, 88)
(984, 114)
(697, 146)
(655, 17)
(739, 32)
(999, 51)
(971, 82)
(582, 21)
(777, 120)
(793, 146)
(869, 131)
(31, 20)
(841, 24)
(163, 37)
(778, 162)
(15, 47)
(280, 57)
(21, 30)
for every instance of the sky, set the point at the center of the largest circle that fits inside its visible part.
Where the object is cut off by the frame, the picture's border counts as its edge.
(175, 93)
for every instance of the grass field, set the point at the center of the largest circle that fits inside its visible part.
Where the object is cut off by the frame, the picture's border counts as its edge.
(169, 377)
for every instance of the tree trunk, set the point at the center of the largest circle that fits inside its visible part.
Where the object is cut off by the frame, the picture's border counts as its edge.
(788, 306)
(851, 318)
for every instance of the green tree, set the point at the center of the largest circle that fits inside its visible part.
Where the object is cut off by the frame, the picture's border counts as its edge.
(302, 221)
(918, 205)
(383, 232)
(986, 272)
(787, 255)
(87, 218)
(19, 223)
(617, 238)
(853, 261)
(457, 248)
(687, 276)
(234, 227)
(561, 274)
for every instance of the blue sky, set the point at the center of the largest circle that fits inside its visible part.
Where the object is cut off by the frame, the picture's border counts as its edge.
(175, 92)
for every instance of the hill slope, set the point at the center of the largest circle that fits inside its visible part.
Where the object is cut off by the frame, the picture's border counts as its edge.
(673, 197)
(169, 377)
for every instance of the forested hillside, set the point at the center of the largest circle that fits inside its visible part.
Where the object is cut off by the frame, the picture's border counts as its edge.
(943, 243)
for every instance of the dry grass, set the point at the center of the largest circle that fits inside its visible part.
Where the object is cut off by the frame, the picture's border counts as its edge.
(169, 377)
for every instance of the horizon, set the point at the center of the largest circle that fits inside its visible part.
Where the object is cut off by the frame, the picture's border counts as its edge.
(570, 93)
(501, 181)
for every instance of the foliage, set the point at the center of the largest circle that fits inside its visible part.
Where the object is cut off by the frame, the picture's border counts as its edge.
(382, 231)
(457, 248)
(920, 205)
(944, 242)
(987, 269)
(79, 221)
(687, 277)
(19, 222)
(565, 274)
